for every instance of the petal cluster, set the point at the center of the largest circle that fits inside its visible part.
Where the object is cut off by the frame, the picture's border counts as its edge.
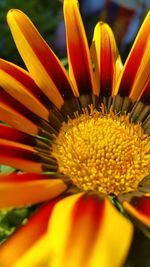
(71, 229)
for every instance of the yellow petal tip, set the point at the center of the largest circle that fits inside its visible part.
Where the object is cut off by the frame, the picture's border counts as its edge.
(12, 12)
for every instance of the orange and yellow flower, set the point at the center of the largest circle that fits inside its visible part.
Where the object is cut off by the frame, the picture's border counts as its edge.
(77, 138)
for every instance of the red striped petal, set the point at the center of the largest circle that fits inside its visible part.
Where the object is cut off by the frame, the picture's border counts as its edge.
(88, 238)
(24, 157)
(41, 62)
(106, 58)
(23, 138)
(23, 177)
(80, 67)
(139, 208)
(19, 85)
(25, 79)
(20, 117)
(16, 120)
(136, 69)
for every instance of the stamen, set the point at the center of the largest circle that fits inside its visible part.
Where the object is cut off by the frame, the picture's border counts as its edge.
(103, 152)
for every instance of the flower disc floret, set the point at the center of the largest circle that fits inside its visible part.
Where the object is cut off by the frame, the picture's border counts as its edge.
(103, 152)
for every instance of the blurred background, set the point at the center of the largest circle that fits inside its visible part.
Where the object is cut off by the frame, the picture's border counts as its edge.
(124, 16)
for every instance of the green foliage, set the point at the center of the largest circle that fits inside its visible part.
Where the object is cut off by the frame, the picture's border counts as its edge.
(10, 219)
(6, 169)
(44, 14)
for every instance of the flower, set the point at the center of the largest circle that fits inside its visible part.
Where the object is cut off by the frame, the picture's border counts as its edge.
(77, 139)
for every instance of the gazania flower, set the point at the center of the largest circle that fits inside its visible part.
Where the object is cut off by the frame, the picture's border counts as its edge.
(80, 140)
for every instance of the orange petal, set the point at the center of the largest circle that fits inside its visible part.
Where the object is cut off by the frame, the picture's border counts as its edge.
(26, 236)
(91, 233)
(15, 194)
(41, 62)
(106, 58)
(136, 69)
(80, 65)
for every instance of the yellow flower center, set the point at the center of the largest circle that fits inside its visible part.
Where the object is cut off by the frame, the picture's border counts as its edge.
(103, 152)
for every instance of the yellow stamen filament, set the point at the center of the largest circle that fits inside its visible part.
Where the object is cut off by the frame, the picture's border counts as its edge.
(103, 152)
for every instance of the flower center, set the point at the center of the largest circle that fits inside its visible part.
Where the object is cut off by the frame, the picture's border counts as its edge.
(103, 152)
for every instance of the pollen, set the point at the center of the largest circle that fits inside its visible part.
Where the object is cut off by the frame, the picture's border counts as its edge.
(103, 152)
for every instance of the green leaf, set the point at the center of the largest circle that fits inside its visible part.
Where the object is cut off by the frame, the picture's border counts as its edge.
(11, 219)
(6, 169)
(64, 61)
